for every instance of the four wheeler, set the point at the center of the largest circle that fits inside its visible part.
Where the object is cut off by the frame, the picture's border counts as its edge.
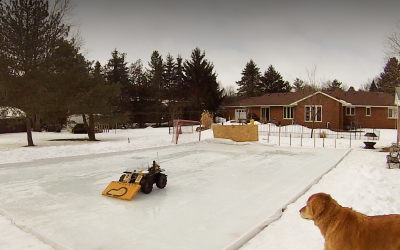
(146, 178)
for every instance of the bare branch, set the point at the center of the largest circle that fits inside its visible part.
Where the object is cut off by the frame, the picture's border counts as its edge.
(392, 42)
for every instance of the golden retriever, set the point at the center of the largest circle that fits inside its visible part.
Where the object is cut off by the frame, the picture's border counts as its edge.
(346, 229)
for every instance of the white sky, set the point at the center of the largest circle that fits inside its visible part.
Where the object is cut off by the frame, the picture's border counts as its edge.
(343, 39)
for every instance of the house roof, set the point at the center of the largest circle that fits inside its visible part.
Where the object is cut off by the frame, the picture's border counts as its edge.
(270, 99)
(362, 98)
(359, 98)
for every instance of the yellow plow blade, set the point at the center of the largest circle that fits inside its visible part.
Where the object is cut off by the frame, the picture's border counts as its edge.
(121, 190)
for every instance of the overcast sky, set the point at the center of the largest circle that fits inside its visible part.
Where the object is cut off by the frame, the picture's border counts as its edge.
(343, 39)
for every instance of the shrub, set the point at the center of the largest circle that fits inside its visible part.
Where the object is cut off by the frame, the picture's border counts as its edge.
(206, 119)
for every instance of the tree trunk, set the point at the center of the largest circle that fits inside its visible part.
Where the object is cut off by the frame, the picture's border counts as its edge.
(37, 127)
(89, 127)
(29, 131)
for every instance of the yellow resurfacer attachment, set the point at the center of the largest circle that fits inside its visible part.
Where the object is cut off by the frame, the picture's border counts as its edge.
(121, 190)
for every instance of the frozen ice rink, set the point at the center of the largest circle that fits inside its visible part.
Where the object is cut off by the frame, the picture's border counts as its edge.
(217, 194)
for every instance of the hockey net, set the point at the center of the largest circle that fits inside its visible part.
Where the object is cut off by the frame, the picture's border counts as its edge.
(186, 131)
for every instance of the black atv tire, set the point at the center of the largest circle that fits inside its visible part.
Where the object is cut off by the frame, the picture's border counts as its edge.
(161, 181)
(146, 186)
(122, 178)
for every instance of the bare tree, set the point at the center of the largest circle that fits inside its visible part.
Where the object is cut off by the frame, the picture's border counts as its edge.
(229, 91)
(311, 107)
(313, 83)
(392, 42)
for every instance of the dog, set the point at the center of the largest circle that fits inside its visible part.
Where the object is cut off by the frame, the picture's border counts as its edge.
(346, 229)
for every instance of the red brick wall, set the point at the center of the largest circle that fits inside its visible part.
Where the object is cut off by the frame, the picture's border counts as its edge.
(331, 112)
(378, 119)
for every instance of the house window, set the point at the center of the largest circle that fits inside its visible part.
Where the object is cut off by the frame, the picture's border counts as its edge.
(392, 112)
(368, 111)
(313, 113)
(287, 112)
(350, 110)
(264, 114)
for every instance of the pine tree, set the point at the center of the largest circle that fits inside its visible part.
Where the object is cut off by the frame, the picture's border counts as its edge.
(156, 71)
(142, 94)
(157, 86)
(29, 32)
(169, 76)
(93, 96)
(332, 86)
(390, 77)
(273, 83)
(137, 73)
(117, 72)
(298, 85)
(250, 83)
(204, 91)
(373, 87)
(180, 88)
(351, 89)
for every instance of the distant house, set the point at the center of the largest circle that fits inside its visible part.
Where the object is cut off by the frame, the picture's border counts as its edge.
(336, 110)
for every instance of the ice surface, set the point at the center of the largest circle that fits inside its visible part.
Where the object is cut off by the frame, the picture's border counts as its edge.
(217, 192)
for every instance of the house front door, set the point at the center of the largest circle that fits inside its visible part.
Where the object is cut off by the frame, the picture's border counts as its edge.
(265, 114)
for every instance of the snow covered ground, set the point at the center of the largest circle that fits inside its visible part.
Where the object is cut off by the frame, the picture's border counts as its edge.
(52, 190)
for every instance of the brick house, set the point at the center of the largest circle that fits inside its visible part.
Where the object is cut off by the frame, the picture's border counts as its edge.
(336, 110)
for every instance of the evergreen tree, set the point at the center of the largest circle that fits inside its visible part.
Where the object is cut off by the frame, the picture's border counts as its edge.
(156, 72)
(273, 83)
(178, 90)
(157, 86)
(117, 72)
(250, 83)
(137, 73)
(93, 96)
(336, 84)
(351, 89)
(204, 91)
(180, 86)
(373, 87)
(29, 32)
(169, 76)
(390, 77)
(298, 85)
(142, 93)
(332, 86)
(68, 68)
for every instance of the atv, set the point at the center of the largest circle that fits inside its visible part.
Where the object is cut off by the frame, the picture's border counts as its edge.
(146, 179)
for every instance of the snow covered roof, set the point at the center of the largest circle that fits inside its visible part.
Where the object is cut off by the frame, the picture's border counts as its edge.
(10, 112)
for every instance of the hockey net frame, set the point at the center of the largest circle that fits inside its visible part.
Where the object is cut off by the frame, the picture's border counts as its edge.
(195, 126)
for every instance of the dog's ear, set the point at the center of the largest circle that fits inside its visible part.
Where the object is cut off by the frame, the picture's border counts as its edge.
(318, 203)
